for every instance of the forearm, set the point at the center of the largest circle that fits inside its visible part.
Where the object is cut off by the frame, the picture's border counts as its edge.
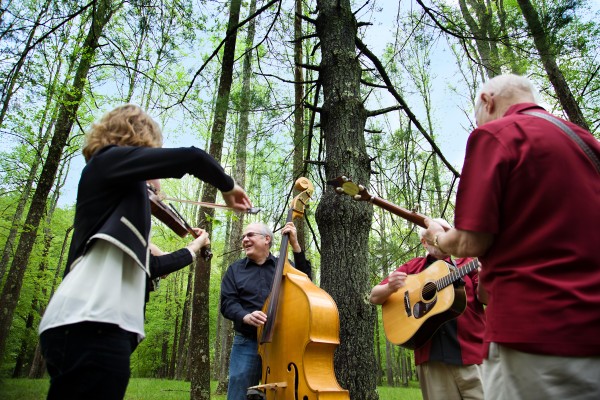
(461, 243)
(170, 262)
(380, 293)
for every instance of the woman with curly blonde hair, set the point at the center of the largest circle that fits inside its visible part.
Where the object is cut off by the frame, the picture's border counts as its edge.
(95, 319)
(127, 125)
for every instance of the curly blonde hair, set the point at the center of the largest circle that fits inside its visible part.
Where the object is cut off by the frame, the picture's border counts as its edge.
(127, 125)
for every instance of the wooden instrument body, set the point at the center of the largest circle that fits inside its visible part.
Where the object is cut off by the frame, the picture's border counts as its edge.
(414, 313)
(298, 341)
(306, 334)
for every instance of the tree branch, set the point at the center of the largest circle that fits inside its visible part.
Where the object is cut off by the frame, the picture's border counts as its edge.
(363, 48)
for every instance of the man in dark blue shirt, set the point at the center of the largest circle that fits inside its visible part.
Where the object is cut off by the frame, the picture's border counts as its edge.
(244, 289)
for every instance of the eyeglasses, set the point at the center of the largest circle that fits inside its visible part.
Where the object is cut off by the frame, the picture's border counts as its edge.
(250, 235)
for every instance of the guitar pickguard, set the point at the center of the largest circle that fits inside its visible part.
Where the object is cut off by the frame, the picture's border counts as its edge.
(427, 302)
(421, 309)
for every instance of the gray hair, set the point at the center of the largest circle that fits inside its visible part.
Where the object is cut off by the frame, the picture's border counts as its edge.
(265, 230)
(511, 86)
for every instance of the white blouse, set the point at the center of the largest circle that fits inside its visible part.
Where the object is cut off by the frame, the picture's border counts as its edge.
(105, 285)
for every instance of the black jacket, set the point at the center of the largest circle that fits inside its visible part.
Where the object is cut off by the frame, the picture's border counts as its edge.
(112, 199)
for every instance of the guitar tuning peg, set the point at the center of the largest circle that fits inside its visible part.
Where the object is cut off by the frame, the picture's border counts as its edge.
(339, 190)
(361, 187)
(356, 197)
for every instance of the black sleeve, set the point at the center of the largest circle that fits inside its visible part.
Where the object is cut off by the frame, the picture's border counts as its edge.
(123, 164)
(302, 264)
(171, 262)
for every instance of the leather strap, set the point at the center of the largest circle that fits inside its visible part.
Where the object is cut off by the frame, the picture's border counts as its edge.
(565, 128)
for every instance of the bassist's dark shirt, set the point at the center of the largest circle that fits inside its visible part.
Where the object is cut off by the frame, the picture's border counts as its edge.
(246, 286)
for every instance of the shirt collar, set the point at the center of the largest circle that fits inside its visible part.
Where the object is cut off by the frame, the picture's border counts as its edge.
(270, 258)
(517, 108)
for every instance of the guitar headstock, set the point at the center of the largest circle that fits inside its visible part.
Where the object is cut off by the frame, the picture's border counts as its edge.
(344, 185)
(299, 203)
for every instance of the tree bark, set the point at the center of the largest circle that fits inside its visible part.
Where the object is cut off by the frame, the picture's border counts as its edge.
(101, 14)
(299, 139)
(199, 342)
(237, 225)
(555, 75)
(344, 263)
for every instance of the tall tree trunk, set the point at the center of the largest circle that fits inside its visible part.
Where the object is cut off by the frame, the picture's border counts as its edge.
(68, 111)
(482, 27)
(41, 142)
(200, 360)
(543, 46)
(237, 225)
(37, 366)
(39, 294)
(9, 84)
(299, 139)
(344, 263)
(182, 362)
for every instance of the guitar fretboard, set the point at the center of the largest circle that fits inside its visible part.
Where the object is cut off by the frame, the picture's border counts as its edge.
(456, 274)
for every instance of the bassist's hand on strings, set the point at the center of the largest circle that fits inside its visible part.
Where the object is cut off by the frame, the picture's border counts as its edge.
(256, 318)
(290, 230)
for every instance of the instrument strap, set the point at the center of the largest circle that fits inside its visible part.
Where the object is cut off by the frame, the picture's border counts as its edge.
(569, 132)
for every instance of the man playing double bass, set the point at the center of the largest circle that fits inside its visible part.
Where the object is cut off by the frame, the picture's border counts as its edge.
(244, 289)
(449, 363)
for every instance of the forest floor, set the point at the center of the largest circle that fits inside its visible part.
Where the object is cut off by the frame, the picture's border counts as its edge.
(157, 389)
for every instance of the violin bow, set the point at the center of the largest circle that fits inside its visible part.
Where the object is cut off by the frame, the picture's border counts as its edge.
(251, 210)
(205, 252)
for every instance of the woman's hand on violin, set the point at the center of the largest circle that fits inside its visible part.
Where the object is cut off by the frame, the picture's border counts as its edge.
(290, 230)
(255, 318)
(237, 198)
(201, 241)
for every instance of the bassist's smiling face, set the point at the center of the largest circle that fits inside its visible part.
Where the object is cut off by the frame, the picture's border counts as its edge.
(256, 243)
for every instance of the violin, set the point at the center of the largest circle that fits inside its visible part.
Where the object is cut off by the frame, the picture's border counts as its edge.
(168, 215)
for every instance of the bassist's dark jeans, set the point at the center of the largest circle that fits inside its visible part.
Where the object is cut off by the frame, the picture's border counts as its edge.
(87, 360)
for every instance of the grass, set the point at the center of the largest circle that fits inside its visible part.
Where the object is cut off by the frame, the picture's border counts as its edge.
(156, 389)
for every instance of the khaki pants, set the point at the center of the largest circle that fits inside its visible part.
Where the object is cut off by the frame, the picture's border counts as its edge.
(440, 381)
(513, 375)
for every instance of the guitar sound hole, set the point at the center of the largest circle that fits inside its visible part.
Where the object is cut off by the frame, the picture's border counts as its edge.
(429, 291)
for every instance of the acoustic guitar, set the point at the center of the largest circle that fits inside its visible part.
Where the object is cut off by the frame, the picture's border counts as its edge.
(414, 313)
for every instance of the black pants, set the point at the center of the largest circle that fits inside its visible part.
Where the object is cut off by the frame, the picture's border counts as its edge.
(88, 360)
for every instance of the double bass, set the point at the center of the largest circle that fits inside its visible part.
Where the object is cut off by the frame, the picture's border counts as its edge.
(297, 342)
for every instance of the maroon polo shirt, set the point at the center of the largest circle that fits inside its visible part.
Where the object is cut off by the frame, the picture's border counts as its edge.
(529, 184)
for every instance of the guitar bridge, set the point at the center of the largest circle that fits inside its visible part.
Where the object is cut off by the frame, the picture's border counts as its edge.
(407, 306)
